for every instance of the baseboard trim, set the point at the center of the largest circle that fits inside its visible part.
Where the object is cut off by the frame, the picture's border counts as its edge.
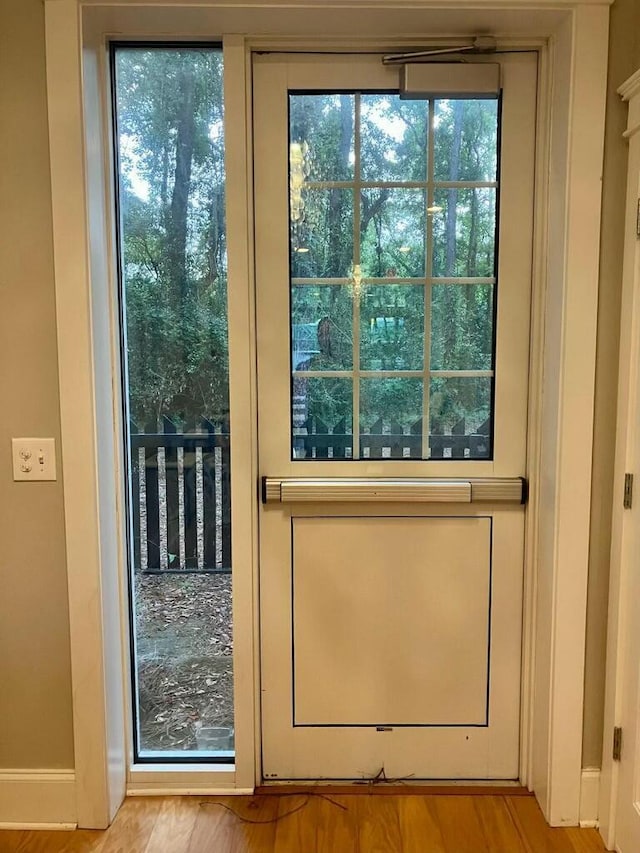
(43, 799)
(50, 827)
(160, 789)
(589, 793)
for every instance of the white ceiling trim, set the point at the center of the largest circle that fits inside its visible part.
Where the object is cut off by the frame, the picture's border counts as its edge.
(353, 4)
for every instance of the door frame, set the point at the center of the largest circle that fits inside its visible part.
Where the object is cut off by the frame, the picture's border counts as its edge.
(572, 36)
(626, 460)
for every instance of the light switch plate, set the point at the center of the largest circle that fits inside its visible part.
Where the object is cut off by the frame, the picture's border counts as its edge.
(34, 458)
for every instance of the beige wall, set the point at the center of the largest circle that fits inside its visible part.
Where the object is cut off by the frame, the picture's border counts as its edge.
(35, 694)
(624, 59)
(35, 681)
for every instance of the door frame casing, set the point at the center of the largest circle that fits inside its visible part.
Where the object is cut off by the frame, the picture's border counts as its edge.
(571, 125)
(623, 536)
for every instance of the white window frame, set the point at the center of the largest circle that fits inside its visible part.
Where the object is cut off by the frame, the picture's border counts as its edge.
(572, 37)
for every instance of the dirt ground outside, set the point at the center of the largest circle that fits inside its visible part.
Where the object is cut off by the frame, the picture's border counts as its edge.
(184, 658)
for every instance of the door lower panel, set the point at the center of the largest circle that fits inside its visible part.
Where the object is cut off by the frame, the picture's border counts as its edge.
(395, 657)
(390, 621)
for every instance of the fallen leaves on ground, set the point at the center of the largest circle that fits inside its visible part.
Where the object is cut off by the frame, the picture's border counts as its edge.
(184, 644)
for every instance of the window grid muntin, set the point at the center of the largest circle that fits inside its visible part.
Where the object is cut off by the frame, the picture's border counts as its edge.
(426, 354)
(355, 331)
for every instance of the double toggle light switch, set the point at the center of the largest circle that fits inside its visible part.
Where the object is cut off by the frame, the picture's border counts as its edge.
(34, 458)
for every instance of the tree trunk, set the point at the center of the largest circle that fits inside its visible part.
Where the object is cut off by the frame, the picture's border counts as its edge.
(214, 235)
(454, 175)
(452, 215)
(373, 210)
(185, 134)
(340, 243)
(472, 252)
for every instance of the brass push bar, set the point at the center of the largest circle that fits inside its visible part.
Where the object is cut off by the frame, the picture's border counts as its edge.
(394, 490)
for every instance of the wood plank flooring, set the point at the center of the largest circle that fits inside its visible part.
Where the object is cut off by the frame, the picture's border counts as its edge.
(304, 823)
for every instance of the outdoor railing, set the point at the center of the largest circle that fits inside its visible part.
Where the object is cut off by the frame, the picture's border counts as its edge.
(315, 440)
(181, 486)
(181, 498)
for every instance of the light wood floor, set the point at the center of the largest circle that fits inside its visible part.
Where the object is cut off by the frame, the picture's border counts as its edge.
(357, 824)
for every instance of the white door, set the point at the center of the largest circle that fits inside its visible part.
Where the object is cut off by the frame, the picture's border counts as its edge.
(393, 346)
(627, 521)
(627, 826)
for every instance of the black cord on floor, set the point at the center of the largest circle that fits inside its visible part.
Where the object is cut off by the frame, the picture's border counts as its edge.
(381, 778)
(279, 817)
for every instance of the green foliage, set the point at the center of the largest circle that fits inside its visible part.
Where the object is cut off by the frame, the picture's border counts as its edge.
(392, 243)
(397, 400)
(330, 401)
(392, 327)
(171, 154)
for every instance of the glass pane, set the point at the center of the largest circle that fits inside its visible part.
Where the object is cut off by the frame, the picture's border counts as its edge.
(170, 142)
(324, 124)
(322, 418)
(390, 418)
(464, 232)
(392, 224)
(462, 327)
(322, 237)
(392, 233)
(393, 138)
(459, 417)
(392, 327)
(466, 140)
(321, 327)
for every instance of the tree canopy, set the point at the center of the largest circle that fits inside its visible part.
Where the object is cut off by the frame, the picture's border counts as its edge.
(172, 208)
(388, 203)
(376, 195)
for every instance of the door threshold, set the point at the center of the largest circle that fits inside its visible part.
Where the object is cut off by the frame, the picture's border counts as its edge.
(452, 787)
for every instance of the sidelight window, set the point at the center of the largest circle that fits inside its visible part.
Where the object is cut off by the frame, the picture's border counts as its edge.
(168, 115)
